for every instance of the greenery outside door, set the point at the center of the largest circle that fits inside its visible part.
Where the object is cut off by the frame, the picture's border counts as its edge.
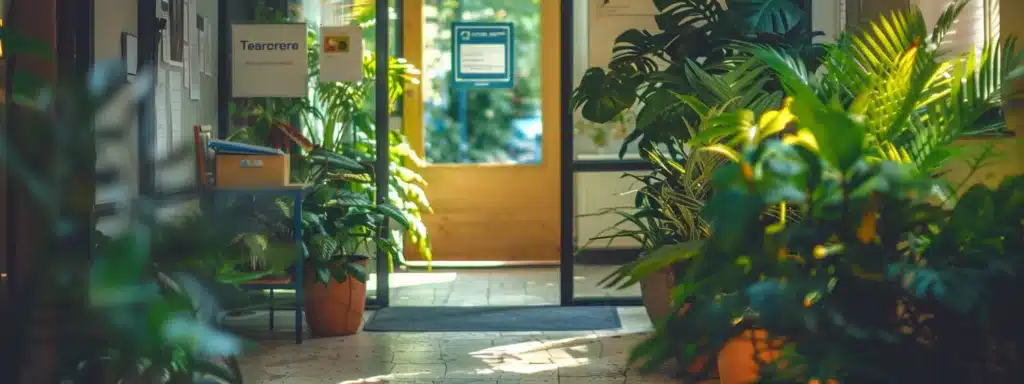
(493, 174)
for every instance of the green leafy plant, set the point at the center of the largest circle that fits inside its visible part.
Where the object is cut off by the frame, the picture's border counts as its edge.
(339, 223)
(348, 128)
(666, 210)
(653, 70)
(337, 117)
(877, 281)
(123, 316)
(916, 98)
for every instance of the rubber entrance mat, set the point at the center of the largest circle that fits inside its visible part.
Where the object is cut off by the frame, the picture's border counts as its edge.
(492, 319)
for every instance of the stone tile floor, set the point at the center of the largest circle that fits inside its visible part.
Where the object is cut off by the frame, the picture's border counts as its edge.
(596, 357)
(506, 286)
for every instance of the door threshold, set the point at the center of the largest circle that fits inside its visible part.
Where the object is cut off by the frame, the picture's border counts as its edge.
(479, 264)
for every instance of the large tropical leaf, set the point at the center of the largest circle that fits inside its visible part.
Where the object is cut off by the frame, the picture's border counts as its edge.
(639, 51)
(687, 13)
(767, 16)
(603, 95)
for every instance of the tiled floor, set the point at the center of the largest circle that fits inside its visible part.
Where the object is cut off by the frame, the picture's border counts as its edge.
(508, 286)
(596, 357)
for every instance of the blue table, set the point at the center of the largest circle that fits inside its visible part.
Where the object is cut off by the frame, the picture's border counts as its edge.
(297, 192)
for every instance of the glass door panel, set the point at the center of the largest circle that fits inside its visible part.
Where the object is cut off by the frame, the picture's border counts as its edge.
(603, 191)
(471, 126)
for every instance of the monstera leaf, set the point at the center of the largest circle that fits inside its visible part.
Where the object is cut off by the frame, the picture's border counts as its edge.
(603, 95)
(682, 13)
(636, 50)
(693, 28)
(767, 16)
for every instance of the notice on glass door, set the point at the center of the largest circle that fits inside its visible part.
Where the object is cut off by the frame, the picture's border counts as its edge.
(483, 55)
(483, 58)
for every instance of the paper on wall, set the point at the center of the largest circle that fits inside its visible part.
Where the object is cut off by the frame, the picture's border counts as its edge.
(163, 8)
(208, 38)
(269, 60)
(201, 50)
(175, 92)
(186, 67)
(196, 68)
(188, 23)
(161, 142)
(341, 53)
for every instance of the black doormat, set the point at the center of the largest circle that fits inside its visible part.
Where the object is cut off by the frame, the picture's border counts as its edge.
(493, 319)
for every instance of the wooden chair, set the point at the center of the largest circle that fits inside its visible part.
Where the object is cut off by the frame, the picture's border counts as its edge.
(205, 181)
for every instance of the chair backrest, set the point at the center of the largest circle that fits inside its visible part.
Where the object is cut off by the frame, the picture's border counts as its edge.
(204, 156)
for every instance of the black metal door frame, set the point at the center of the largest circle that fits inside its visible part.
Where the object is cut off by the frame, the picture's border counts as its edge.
(567, 243)
(382, 165)
(569, 167)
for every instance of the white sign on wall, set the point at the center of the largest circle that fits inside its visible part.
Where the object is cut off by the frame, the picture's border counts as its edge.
(341, 53)
(269, 60)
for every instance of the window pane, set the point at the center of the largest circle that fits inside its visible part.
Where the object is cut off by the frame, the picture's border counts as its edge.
(482, 125)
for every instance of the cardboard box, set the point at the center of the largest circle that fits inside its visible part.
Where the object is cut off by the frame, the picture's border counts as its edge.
(235, 170)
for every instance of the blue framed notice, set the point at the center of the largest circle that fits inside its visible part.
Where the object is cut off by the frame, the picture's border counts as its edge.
(482, 55)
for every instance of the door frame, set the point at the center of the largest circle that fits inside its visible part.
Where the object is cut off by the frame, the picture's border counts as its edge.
(567, 160)
(567, 242)
(569, 168)
(444, 185)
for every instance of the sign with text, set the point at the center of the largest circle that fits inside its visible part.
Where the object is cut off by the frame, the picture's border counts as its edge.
(482, 55)
(269, 60)
(341, 53)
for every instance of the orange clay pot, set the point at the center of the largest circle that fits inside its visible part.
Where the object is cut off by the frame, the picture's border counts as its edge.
(656, 292)
(736, 363)
(336, 309)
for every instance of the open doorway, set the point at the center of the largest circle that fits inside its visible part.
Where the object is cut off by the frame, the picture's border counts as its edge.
(492, 157)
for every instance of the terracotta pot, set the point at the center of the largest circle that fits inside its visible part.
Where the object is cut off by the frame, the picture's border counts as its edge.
(656, 293)
(337, 308)
(736, 362)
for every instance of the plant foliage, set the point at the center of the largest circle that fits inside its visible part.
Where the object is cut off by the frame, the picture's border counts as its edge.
(651, 70)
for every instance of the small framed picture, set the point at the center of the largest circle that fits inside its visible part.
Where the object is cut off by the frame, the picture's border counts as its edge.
(174, 34)
(130, 53)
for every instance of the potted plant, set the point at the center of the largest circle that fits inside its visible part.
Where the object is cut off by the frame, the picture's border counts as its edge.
(340, 226)
(338, 118)
(923, 137)
(651, 69)
(688, 71)
(877, 261)
(341, 229)
(344, 230)
(878, 279)
(666, 213)
(668, 202)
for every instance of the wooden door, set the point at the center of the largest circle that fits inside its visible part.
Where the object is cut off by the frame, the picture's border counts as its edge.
(487, 211)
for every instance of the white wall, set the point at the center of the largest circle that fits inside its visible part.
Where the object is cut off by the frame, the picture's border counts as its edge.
(828, 17)
(112, 18)
(194, 112)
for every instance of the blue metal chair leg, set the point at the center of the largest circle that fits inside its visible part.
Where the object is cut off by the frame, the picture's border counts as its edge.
(298, 323)
(299, 295)
(271, 310)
